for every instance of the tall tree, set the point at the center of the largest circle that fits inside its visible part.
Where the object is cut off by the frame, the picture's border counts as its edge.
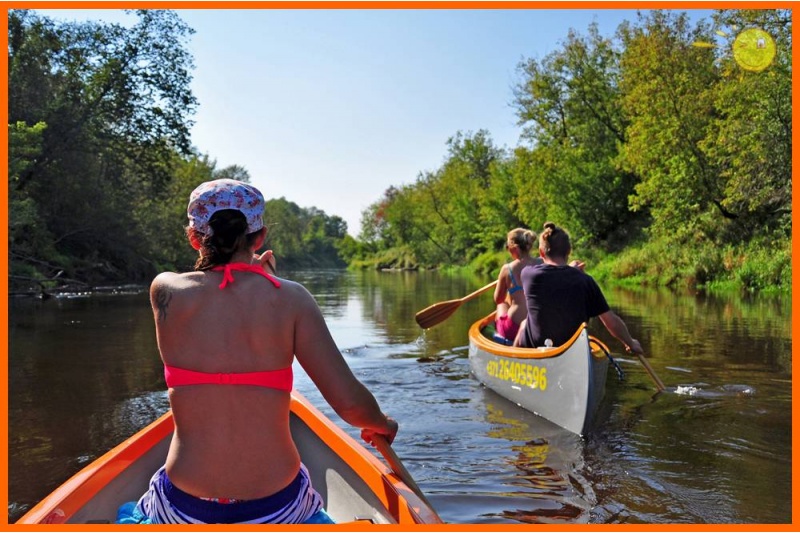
(569, 104)
(750, 136)
(668, 96)
(116, 104)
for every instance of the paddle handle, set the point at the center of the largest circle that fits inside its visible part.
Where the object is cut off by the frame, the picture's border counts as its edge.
(399, 469)
(659, 384)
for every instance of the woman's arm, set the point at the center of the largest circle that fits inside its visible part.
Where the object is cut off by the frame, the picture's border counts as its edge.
(316, 351)
(501, 289)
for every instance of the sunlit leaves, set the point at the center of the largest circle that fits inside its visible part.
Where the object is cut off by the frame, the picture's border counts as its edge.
(117, 103)
(569, 104)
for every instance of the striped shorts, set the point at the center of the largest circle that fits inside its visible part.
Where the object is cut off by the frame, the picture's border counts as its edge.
(165, 504)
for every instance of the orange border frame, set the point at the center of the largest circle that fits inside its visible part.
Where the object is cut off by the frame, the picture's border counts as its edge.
(436, 4)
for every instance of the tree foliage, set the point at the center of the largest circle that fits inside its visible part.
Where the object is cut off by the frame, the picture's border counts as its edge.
(100, 158)
(114, 105)
(303, 236)
(641, 138)
(569, 104)
(667, 85)
(750, 139)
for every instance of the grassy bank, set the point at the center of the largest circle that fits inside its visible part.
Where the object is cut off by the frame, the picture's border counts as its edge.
(755, 266)
(758, 266)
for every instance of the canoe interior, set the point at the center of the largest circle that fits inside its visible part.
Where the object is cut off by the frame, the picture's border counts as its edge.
(354, 484)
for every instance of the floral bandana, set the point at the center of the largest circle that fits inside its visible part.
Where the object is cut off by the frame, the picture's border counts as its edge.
(210, 197)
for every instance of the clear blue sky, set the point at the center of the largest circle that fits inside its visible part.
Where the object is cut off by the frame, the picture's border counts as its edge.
(328, 108)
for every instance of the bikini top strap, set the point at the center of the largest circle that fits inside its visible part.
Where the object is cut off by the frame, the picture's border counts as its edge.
(514, 285)
(227, 274)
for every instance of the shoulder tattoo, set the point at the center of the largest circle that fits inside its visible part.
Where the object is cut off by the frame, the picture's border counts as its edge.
(161, 298)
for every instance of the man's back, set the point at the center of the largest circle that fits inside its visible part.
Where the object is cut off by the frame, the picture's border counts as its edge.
(559, 299)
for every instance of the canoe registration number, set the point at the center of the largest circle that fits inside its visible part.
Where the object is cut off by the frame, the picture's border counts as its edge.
(523, 374)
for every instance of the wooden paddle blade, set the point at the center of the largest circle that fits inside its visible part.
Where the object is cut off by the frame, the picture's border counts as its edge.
(436, 313)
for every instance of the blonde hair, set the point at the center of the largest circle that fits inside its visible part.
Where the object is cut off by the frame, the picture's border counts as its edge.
(521, 237)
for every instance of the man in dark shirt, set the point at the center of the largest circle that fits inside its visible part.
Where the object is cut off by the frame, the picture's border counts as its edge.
(561, 297)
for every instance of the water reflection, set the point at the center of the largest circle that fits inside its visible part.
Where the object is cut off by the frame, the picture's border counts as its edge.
(546, 468)
(84, 374)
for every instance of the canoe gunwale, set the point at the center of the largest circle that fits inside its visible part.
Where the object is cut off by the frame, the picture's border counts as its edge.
(81, 488)
(521, 353)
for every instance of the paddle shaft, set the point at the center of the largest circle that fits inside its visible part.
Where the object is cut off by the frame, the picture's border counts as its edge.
(399, 469)
(659, 384)
(478, 292)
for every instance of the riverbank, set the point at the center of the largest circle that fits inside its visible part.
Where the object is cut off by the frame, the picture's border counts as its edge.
(754, 267)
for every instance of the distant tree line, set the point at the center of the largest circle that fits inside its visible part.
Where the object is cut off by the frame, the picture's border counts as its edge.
(653, 146)
(100, 159)
(666, 161)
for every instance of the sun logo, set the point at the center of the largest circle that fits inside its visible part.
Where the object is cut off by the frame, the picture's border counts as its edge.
(753, 49)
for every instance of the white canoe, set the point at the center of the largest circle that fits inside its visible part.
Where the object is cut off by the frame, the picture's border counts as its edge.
(562, 384)
(354, 484)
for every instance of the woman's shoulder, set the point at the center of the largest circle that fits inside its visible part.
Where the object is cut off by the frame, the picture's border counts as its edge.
(175, 280)
(178, 283)
(294, 290)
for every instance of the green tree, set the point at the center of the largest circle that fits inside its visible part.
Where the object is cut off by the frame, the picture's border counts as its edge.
(375, 228)
(233, 172)
(569, 104)
(667, 86)
(116, 102)
(443, 216)
(27, 236)
(750, 136)
(304, 237)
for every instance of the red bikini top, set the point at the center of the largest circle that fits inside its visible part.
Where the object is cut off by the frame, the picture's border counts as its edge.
(280, 379)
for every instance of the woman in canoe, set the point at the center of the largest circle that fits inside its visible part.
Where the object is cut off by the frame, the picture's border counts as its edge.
(559, 298)
(508, 295)
(228, 333)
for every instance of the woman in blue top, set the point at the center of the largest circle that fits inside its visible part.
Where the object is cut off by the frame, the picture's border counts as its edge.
(508, 295)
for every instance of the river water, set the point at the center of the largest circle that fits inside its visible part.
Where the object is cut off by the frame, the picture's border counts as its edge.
(84, 374)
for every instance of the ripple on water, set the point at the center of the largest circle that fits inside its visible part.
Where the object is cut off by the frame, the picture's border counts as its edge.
(727, 390)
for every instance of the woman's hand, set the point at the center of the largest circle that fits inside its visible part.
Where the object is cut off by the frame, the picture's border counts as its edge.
(388, 432)
(578, 265)
(266, 259)
(634, 347)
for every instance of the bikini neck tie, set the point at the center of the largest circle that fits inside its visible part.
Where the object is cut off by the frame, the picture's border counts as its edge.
(228, 268)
